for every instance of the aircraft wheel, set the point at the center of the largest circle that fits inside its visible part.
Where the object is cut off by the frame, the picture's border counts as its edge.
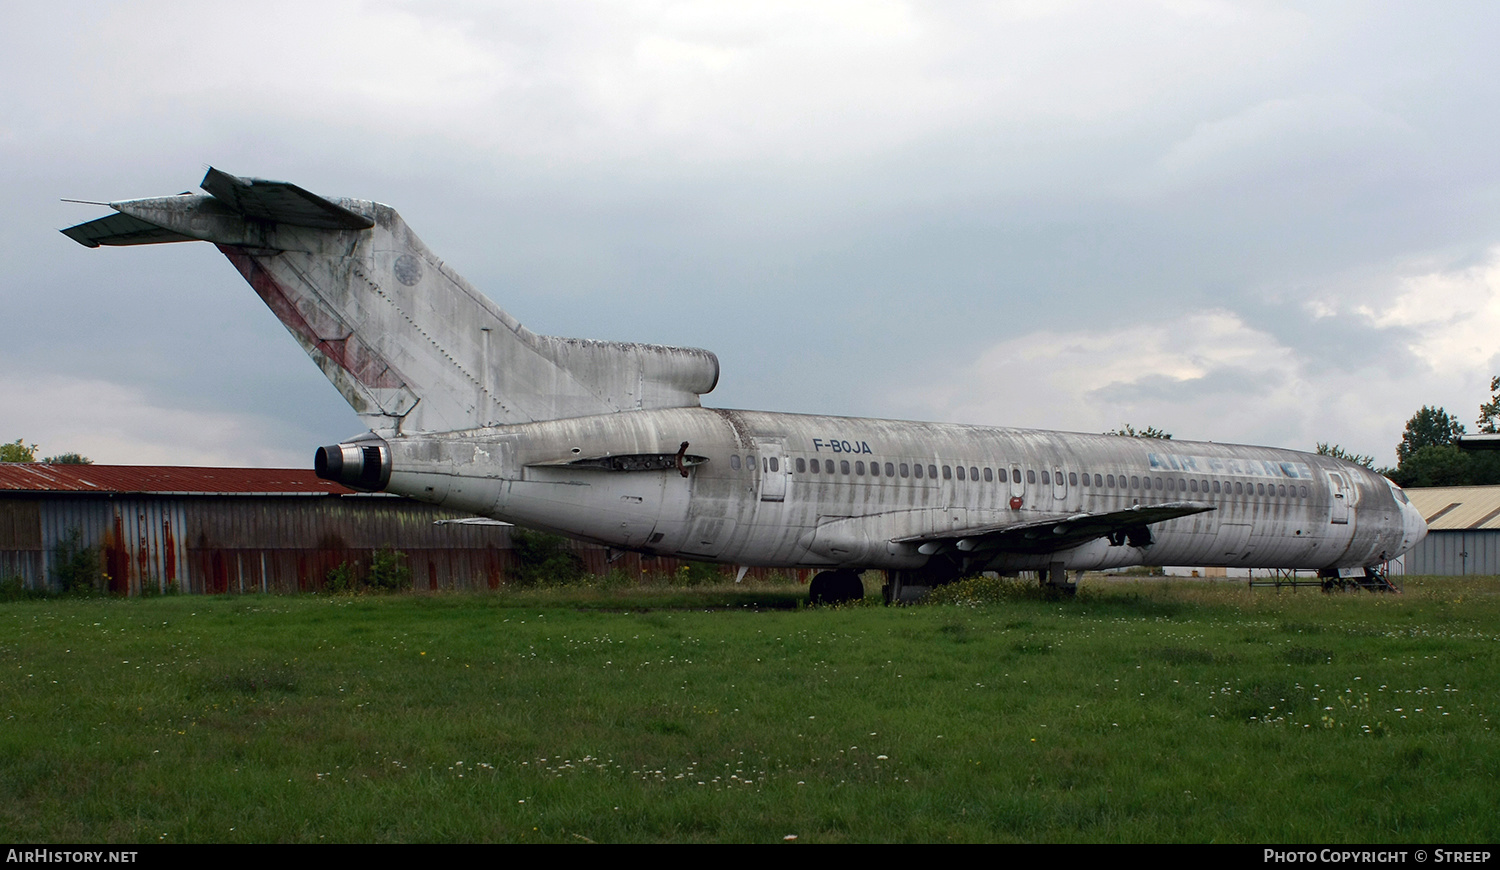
(835, 587)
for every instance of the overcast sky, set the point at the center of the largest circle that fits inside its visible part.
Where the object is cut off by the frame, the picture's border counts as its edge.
(1246, 222)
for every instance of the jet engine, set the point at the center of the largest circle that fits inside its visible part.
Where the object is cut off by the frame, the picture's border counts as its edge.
(363, 464)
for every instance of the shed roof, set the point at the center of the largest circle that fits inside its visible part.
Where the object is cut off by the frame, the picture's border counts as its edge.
(163, 480)
(1449, 508)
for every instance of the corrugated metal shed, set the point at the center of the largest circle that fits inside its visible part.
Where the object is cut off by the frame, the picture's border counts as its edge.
(162, 479)
(234, 530)
(1463, 531)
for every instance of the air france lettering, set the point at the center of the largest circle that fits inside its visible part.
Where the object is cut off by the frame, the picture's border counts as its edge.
(836, 445)
(1243, 467)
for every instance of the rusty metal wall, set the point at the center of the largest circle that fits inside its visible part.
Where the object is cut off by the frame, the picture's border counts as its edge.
(236, 544)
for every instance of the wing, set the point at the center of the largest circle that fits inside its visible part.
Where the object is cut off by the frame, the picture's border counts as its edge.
(1049, 534)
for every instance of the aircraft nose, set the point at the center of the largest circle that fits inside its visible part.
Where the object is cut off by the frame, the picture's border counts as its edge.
(1413, 527)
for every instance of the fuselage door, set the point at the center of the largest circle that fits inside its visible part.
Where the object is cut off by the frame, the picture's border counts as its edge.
(773, 471)
(1339, 493)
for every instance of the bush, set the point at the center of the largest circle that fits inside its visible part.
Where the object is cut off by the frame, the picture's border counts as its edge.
(543, 559)
(342, 579)
(75, 567)
(389, 571)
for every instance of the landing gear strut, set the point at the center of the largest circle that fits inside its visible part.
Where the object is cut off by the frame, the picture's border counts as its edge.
(835, 587)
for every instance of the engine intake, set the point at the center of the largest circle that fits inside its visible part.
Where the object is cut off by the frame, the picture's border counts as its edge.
(363, 464)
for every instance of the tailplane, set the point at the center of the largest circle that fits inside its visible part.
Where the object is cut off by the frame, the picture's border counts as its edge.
(407, 341)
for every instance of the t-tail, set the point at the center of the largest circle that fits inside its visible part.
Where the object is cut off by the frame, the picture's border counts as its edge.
(406, 340)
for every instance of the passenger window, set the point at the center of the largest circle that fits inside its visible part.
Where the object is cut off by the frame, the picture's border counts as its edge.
(989, 475)
(932, 471)
(1158, 484)
(828, 465)
(905, 471)
(973, 472)
(859, 468)
(843, 466)
(917, 471)
(1239, 488)
(1216, 486)
(874, 469)
(1281, 490)
(1109, 481)
(1304, 492)
(802, 465)
(1072, 478)
(774, 463)
(1015, 475)
(1046, 478)
(947, 472)
(1193, 485)
(1099, 480)
(734, 461)
(890, 470)
(815, 466)
(960, 472)
(1134, 482)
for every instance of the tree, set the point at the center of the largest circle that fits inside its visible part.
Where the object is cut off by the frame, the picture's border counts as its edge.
(68, 459)
(1489, 412)
(1149, 432)
(1429, 427)
(1338, 452)
(17, 451)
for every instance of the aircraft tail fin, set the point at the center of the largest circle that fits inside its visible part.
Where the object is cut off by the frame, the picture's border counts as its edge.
(407, 341)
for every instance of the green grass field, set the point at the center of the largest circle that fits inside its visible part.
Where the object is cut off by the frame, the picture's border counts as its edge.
(1138, 712)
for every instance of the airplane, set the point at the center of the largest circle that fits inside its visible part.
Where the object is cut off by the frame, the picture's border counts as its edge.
(609, 442)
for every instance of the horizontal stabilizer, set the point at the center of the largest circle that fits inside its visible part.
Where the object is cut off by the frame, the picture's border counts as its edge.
(122, 229)
(280, 202)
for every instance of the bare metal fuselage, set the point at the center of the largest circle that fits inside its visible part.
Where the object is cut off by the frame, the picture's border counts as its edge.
(735, 508)
(608, 441)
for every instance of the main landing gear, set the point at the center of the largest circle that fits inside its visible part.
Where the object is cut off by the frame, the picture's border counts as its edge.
(835, 587)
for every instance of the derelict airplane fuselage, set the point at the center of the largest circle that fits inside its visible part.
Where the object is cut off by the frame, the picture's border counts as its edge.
(608, 442)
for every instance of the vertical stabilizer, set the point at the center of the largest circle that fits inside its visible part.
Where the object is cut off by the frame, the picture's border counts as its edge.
(407, 341)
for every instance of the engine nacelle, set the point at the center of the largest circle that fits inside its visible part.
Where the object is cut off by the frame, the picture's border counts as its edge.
(363, 464)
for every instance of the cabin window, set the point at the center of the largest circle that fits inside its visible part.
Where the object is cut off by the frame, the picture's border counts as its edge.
(1046, 478)
(1281, 490)
(1181, 485)
(1135, 482)
(905, 471)
(890, 470)
(1072, 478)
(802, 465)
(874, 469)
(932, 471)
(734, 461)
(828, 465)
(1158, 484)
(1260, 489)
(947, 472)
(1099, 480)
(1015, 475)
(960, 472)
(814, 466)
(774, 462)
(1109, 481)
(973, 472)
(1239, 488)
(859, 468)
(917, 471)
(989, 475)
(1193, 485)
(843, 466)
(1304, 492)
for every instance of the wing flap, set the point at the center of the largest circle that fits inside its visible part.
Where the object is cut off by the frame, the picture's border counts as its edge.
(1054, 532)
